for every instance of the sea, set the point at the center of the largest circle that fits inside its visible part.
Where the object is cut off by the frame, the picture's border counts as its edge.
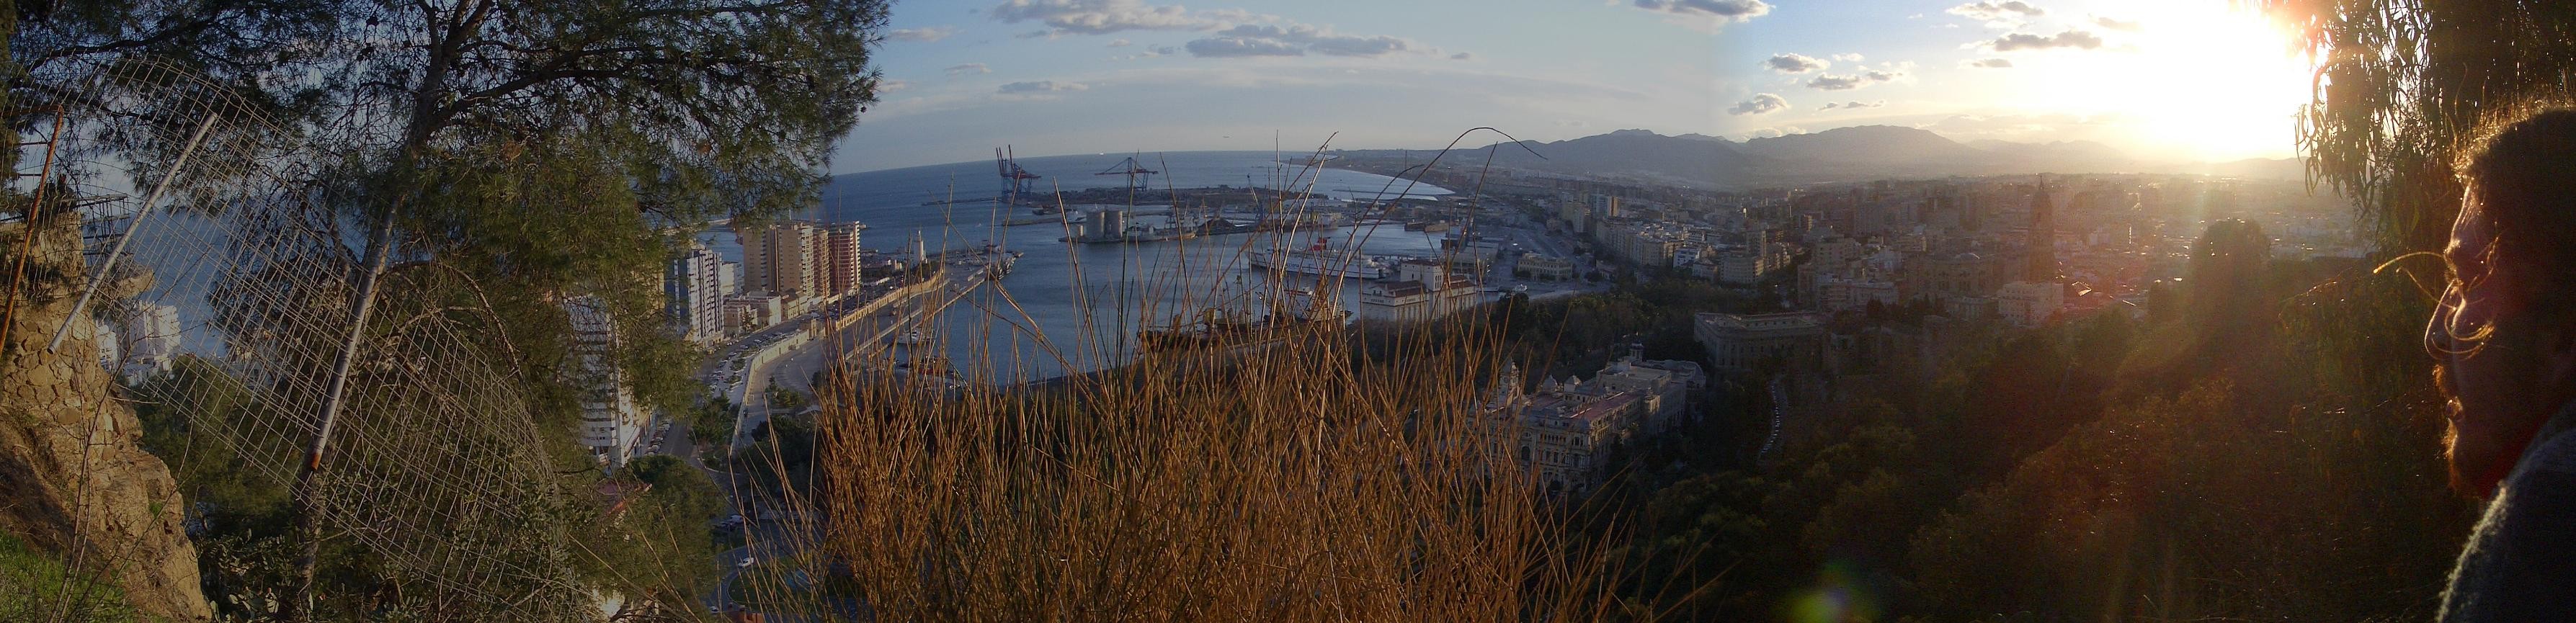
(1069, 308)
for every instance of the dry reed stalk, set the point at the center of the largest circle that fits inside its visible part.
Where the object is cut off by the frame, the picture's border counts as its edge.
(1297, 480)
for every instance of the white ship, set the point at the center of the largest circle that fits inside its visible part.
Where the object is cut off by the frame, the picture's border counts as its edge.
(1319, 260)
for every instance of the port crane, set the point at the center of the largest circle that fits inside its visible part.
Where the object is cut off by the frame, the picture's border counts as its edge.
(1008, 165)
(1134, 171)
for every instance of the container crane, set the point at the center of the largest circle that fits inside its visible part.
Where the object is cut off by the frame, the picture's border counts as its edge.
(1008, 166)
(1136, 173)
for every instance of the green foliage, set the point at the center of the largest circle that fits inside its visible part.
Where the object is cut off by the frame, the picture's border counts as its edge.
(657, 547)
(36, 587)
(2293, 476)
(712, 421)
(2402, 84)
(515, 155)
(781, 454)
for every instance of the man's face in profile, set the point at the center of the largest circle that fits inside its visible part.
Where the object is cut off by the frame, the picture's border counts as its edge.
(2485, 360)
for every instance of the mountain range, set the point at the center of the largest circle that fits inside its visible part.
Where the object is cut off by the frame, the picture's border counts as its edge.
(1855, 153)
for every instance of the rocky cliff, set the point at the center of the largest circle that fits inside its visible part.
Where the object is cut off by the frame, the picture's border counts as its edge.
(74, 480)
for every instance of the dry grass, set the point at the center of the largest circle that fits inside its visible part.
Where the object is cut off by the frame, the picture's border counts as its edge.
(1294, 481)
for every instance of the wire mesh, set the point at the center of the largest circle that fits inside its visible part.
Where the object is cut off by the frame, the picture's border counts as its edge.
(437, 466)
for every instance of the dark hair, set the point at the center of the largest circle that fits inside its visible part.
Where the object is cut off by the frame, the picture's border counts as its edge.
(2522, 167)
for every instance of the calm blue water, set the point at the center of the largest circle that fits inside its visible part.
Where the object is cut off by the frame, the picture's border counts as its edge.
(1043, 300)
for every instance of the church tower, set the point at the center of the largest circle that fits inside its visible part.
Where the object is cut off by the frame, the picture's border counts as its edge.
(2041, 254)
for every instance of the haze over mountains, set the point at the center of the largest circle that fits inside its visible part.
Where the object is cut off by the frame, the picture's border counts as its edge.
(1842, 154)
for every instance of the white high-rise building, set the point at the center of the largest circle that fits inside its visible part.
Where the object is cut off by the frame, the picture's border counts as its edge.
(150, 339)
(693, 292)
(610, 420)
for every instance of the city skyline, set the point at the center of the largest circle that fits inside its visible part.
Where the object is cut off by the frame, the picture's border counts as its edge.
(1089, 76)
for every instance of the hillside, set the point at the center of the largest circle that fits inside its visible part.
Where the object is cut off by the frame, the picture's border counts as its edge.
(1841, 154)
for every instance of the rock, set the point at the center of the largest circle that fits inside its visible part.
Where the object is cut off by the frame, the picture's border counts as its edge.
(71, 469)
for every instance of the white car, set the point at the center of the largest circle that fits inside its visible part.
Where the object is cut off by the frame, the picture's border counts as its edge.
(747, 559)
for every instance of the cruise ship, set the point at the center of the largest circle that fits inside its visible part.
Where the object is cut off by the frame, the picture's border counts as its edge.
(1320, 260)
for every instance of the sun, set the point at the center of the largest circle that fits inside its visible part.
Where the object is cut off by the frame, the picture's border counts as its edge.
(2206, 80)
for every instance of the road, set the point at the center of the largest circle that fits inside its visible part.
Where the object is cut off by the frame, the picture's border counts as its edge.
(768, 540)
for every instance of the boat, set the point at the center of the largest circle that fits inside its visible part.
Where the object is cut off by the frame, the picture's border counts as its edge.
(1319, 260)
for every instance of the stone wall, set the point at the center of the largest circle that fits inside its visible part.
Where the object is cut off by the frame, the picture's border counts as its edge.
(74, 479)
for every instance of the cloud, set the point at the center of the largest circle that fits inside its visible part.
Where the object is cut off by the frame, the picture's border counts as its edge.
(2116, 24)
(969, 68)
(1853, 57)
(1855, 104)
(933, 33)
(1148, 52)
(1379, 45)
(1777, 132)
(1462, 56)
(890, 85)
(2070, 38)
(1723, 10)
(1762, 103)
(1794, 63)
(1832, 82)
(1573, 123)
(1990, 63)
(1041, 86)
(1297, 40)
(1991, 11)
(1236, 47)
(1100, 17)
(1120, 43)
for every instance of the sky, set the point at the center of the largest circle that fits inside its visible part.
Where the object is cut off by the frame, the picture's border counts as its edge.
(2198, 80)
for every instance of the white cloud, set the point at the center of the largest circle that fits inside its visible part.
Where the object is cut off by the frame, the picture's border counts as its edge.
(1723, 10)
(968, 68)
(1794, 63)
(1761, 104)
(1855, 104)
(1100, 17)
(2116, 24)
(1989, 63)
(1234, 47)
(1834, 82)
(1462, 56)
(1041, 86)
(1852, 57)
(1991, 11)
(1297, 40)
(933, 33)
(2069, 38)
(890, 85)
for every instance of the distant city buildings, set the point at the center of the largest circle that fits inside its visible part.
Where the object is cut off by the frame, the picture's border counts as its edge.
(839, 259)
(778, 259)
(1749, 342)
(693, 292)
(1544, 267)
(611, 422)
(148, 339)
(1422, 290)
(801, 264)
(1563, 429)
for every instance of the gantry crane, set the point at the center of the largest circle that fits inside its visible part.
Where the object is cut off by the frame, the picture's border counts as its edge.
(1136, 173)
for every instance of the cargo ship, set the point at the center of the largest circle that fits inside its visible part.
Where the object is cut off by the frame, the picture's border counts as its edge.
(1319, 260)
